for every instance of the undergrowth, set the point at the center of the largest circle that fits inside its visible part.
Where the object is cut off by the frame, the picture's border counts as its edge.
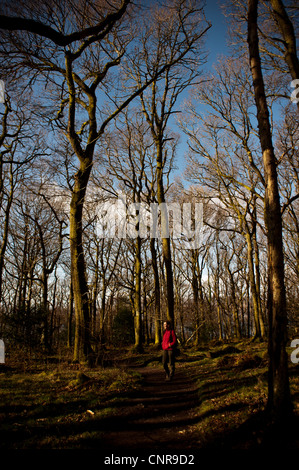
(57, 407)
(233, 392)
(54, 404)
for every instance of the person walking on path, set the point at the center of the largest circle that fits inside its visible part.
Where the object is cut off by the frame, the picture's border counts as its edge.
(168, 346)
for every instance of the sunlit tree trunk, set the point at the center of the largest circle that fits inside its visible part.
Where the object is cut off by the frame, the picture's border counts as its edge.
(279, 401)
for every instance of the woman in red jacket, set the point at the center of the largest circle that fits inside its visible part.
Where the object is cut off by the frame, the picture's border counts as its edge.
(168, 346)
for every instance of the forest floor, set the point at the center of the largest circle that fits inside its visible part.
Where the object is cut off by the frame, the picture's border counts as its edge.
(216, 400)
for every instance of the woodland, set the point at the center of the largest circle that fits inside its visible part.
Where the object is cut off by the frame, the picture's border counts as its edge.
(109, 104)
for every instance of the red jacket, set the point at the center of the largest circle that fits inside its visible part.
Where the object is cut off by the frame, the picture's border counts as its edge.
(169, 340)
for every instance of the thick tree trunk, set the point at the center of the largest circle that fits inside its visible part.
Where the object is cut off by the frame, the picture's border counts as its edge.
(279, 401)
(82, 347)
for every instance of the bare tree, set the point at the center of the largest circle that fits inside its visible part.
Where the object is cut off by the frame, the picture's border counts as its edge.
(74, 50)
(129, 166)
(176, 30)
(224, 158)
(20, 145)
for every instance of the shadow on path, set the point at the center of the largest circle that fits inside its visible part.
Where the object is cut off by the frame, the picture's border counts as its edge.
(157, 417)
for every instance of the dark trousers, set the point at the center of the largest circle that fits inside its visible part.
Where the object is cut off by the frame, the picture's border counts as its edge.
(168, 357)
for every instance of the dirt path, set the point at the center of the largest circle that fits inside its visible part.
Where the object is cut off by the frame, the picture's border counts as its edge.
(158, 417)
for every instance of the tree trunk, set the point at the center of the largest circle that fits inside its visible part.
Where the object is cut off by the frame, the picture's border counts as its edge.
(158, 336)
(198, 298)
(137, 296)
(218, 307)
(254, 295)
(236, 322)
(95, 290)
(279, 400)
(166, 247)
(102, 337)
(70, 317)
(82, 347)
(195, 290)
(258, 277)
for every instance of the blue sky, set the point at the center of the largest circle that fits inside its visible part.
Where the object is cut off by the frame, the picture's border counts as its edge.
(216, 45)
(216, 41)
